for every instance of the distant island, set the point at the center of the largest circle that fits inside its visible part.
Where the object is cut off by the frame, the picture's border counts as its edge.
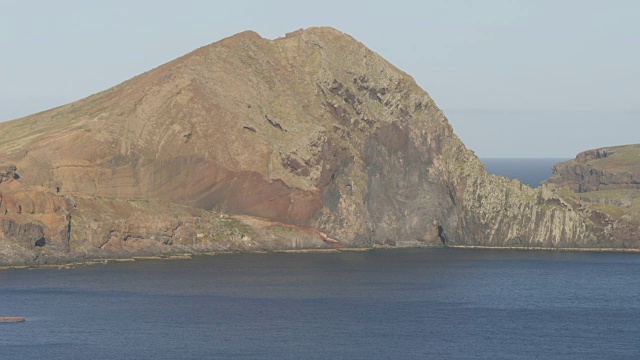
(310, 141)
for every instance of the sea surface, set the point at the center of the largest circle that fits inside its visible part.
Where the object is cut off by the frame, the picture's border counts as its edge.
(381, 304)
(529, 171)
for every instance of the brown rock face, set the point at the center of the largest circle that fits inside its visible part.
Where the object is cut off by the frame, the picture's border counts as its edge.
(311, 140)
(607, 182)
(611, 168)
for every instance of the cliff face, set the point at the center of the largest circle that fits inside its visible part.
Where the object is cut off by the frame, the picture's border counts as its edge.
(611, 168)
(307, 141)
(607, 182)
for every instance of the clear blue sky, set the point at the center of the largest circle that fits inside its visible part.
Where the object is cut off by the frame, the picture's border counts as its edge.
(515, 78)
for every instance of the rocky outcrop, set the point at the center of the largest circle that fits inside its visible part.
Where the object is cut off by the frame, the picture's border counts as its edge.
(496, 211)
(27, 234)
(7, 172)
(606, 182)
(307, 141)
(12, 319)
(610, 168)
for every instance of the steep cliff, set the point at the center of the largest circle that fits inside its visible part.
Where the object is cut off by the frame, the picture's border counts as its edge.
(306, 141)
(611, 168)
(607, 182)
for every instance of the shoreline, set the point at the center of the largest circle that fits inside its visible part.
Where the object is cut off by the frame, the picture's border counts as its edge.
(177, 256)
(541, 248)
(189, 256)
(102, 261)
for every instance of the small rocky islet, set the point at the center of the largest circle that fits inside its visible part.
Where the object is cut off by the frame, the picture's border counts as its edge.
(309, 141)
(12, 319)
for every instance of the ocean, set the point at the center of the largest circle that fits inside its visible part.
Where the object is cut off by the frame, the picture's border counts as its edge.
(529, 171)
(379, 304)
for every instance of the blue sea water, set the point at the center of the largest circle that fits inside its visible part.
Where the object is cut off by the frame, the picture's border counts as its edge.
(529, 171)
(382, 304)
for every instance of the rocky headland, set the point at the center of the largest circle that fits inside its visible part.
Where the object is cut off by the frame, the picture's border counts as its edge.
(610, 168)
(606, 181)
(310, 141)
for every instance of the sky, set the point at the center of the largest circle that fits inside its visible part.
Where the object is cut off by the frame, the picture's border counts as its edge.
(514, 78)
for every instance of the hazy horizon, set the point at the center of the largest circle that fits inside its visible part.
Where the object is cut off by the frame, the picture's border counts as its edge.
(515, 79)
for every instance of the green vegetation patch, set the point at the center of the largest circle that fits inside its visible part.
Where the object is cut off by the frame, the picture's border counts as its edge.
(614, 211)
(616, 203)
(625, 158)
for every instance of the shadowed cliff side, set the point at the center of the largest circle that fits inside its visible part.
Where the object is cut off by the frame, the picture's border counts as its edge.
(307, 141)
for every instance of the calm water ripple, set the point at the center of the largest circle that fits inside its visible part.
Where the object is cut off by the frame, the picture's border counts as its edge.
(410, 304)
